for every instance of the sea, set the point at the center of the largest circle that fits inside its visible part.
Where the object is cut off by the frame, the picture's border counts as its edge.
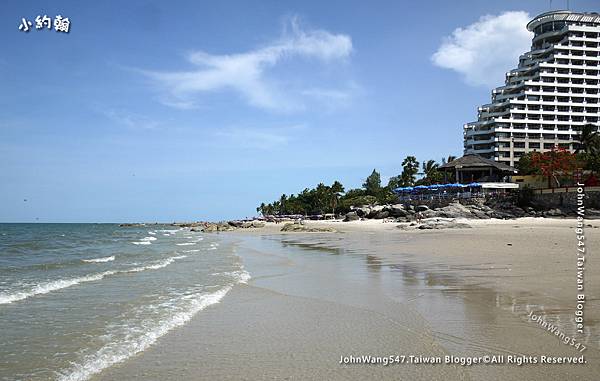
(78, 298)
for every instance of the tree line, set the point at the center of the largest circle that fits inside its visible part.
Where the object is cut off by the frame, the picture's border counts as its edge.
(335, 199)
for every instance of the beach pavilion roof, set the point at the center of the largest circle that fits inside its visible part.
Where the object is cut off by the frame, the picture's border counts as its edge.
(475, 161)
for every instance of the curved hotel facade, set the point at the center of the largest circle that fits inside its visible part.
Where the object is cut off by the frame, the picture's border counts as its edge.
(552, 93)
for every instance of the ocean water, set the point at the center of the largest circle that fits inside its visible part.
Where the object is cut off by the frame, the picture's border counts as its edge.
(78, 298)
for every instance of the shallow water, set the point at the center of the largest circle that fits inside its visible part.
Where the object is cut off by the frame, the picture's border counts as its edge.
(78, 298)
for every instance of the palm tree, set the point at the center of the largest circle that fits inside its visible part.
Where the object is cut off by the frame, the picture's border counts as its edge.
(336, 190)
(430, 170)
(283, 203)
(449, 159)
(588, 138)
(410, 169)
(429, 167)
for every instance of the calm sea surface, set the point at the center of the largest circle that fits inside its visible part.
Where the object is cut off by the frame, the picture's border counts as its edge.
(77, 298)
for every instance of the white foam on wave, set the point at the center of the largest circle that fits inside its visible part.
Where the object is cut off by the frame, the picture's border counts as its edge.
(186, 244)
(170, 231)
(55, 285)
(155, 266)
(240, 276)
(145, 241)
(191, 251)
(100, 260)
(47, 287)
(152, 233)
(117, 352)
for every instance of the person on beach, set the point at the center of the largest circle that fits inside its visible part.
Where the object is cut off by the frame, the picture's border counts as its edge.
(419, 217)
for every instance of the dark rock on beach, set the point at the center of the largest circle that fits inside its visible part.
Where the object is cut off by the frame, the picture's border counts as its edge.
(298, 227)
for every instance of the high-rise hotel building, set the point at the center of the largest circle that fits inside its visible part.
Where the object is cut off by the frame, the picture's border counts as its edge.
(546, 100)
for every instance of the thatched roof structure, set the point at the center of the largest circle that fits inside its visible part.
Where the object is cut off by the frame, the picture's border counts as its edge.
(472, 160)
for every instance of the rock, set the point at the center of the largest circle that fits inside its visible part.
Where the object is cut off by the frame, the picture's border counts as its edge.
(363, 211)
(441, 223)
(455, 210)
(501, 215)
(421, 208)
(374, 211)
(209, 228)
(382, 214)
(237, 224)
(554, 213)
(294, 227)
(224, 227)
(258, 224)
(431, 213)
(480, 214)
(351, 216)
(397, 210)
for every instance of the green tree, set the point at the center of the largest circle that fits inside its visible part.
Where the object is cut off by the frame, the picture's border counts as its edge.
(588, 139)
(525, 165)
(431, 173)
(336, 191)
(448, 159)
(410, 168)
(372, 184)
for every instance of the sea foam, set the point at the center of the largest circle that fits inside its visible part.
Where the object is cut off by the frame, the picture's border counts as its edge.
(100, 260)
(59, 284)
(119, 351)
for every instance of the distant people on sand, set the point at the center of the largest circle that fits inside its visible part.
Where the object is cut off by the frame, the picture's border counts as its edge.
(419, 217)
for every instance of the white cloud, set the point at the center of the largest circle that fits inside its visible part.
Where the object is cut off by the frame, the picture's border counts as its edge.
(130, 120)
(485, 50)
(258, 138)
(246, 73)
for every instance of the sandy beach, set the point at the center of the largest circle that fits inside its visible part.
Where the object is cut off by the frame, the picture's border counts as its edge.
(373, 289)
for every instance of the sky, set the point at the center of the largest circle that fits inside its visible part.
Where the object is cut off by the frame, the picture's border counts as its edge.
(201, 110)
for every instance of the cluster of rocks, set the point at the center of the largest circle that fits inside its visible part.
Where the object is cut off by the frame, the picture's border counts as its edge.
(300, 227)
(505, 209)
(434, 223)
(225, 226)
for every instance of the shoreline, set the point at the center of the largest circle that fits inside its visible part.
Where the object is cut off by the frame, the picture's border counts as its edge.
(378, 290)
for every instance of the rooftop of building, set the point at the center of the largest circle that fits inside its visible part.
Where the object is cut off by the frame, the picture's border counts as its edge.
(563, 15)
(472, 160)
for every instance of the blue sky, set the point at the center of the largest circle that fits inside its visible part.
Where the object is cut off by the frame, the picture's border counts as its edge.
(188, 110)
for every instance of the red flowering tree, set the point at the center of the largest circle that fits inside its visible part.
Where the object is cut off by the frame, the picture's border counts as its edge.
(553, 163)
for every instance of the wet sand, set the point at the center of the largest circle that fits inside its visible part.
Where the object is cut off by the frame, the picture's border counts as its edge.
(375, 290)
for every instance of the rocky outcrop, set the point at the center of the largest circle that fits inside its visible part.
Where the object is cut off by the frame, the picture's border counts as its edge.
(351, 216)
(298, 227)
(434, 224)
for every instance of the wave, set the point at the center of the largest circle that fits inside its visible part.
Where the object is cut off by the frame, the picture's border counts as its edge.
(145, 241)
(170, 231)
(185, 244)
(117, 352)
(152, 233)
(100, 260)
(191, 251)
(59, 284)
(47, 287)
(240, 276)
